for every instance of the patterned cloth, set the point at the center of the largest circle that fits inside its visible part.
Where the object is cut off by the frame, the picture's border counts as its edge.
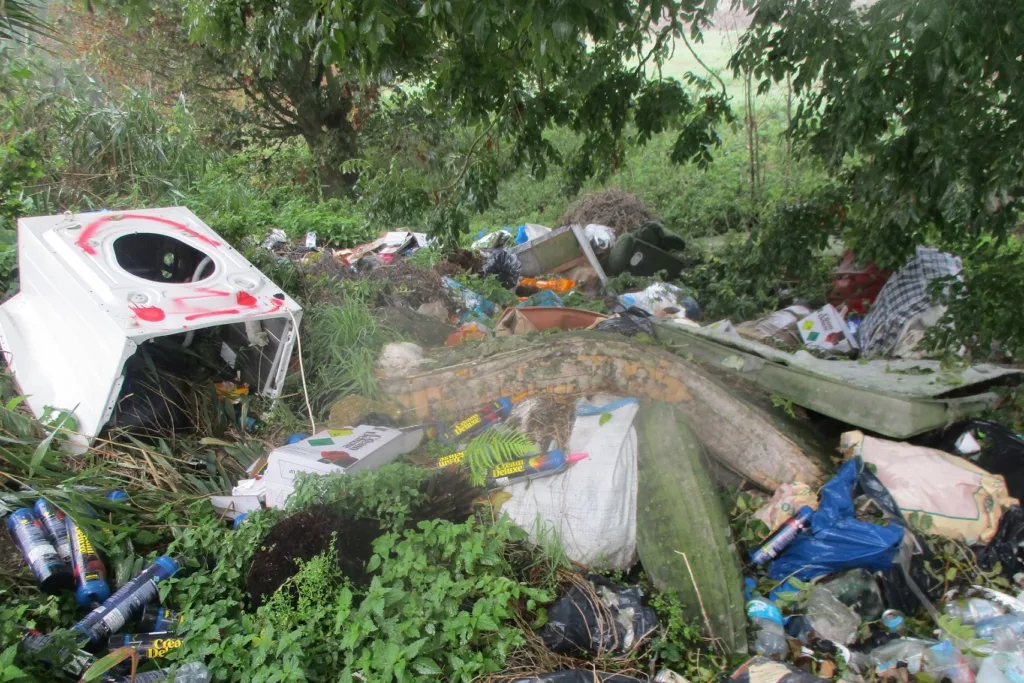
(904, 297)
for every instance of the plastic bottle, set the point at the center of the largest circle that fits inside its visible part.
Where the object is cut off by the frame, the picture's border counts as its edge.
(127, 602)
(193, 672)
(783, 536)
(770, 637)
(559, 285)
(157, 618)
(988, 628)
(971, 611)
(52, 519)
(39, 554)
(90, 572)
(830, 618)
(478, 421)
(944, 661)
(909, 650)
(146, 645)
(532, 467)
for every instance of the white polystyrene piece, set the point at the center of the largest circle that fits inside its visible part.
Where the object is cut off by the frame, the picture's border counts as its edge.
(79, 315)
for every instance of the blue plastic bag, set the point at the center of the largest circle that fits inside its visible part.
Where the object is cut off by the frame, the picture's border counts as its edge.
(836, 540)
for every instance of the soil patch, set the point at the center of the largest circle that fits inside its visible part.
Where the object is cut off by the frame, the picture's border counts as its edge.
(303, 536)
(447, 495)
(619, 210)
(459, 262)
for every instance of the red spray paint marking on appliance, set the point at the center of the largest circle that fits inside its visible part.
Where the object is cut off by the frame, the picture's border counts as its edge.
(90, 230)
(212, 314)
(151, 314)
(245, 299)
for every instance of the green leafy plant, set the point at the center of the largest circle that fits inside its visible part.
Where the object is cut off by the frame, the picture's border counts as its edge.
(493, 447)
(489, 288)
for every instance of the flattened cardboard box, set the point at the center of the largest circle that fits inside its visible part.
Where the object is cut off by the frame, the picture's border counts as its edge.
(339, 450)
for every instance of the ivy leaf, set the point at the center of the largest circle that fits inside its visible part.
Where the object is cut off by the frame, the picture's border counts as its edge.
(605, 417)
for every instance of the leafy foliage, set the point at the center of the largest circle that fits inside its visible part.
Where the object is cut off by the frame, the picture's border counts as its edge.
(493, 447)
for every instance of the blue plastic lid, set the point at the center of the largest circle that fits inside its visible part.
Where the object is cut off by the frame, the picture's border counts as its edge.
(759, 608)
(505, 403)
(295, 438)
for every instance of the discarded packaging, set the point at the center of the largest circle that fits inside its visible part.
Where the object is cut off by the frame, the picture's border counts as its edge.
(826, 330)
(838, 540)
(963, 501)
(473, 424)
(52, 519)
(113, 281)
(661, 300)
(504, 266)
(127, 602)
(492, 240)
(590, 510)
(90, 572)
(39, 554)
(603, 618)
(157, 618)
(786, 500)
(146, 645)
(602, 238)
(559, 285)
(856, 286)
(335, 451)
(193, 672)
(858, 590)
(526, 319)
(577, 676)
(780, 326)
(531, 231)
(760, 669)
(782, 536)
(532, 467)
(769, 635)
(627, 324)
(476, 306)
(830, 618)
(467, 332)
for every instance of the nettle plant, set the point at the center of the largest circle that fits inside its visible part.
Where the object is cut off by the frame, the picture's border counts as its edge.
(442, 604)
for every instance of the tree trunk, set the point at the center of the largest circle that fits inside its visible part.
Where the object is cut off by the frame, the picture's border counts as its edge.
(330, 148)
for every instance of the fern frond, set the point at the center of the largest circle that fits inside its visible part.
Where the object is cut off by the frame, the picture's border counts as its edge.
(493, 447)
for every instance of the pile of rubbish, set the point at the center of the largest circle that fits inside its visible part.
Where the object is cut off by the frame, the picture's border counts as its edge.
(903, 561)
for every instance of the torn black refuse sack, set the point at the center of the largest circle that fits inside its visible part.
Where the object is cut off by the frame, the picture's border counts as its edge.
(609, 618)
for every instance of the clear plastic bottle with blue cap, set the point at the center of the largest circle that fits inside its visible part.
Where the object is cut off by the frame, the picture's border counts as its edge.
(770, 636)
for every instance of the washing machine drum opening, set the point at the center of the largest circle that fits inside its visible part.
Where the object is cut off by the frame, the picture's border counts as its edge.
(161, 258)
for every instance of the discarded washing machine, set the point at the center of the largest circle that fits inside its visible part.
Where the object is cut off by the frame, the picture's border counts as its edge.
(112, 304)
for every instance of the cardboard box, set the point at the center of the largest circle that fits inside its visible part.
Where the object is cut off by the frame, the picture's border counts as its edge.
(335, 451)
(825, 329)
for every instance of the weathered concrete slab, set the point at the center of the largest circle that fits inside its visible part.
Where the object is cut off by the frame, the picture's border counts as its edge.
(896, 398)
(737, 433)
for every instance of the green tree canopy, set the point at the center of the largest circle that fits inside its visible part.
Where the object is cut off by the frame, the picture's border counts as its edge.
(916, 105)
(508, 70)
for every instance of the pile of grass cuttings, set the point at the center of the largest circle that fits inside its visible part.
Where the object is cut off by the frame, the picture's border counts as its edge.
(460, 262)
(619, 210)
(409, 286)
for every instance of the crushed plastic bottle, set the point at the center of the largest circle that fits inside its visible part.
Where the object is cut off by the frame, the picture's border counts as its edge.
(770, 637)
(944, 661)
(1001, 667)
(193, 672)
(990, 627)
(831, 619)
(908, 650)
(972, 611)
